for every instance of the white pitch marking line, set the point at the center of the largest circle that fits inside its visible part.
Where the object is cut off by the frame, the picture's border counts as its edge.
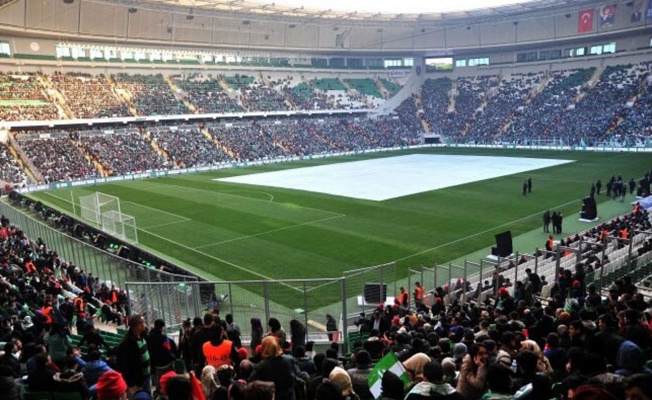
(271, 196)
(200, 252)
(477, 234)
(144, 228)
(254, 199)
(222, 260)
(158, 210)
(270, 231)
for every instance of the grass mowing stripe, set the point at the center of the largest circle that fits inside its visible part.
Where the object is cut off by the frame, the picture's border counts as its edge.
(372, 232)
(221, 260)
(272, 231)
(480, 233)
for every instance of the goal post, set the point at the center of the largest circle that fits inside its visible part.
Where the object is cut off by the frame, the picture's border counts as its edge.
(120, 225)
(103, 211)
(93, 206)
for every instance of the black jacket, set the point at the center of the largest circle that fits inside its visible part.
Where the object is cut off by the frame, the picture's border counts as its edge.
(130, 363)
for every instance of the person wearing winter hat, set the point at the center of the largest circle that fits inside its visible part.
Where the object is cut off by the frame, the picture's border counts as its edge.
(111, 386)
(342, 380)
(459, 351)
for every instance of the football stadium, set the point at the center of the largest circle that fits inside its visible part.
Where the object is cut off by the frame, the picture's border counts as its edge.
(315, 201)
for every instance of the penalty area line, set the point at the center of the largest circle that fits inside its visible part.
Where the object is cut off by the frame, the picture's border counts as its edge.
(241, 268)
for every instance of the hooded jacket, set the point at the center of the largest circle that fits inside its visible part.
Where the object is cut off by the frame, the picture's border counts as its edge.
(93, 370)
(630, 359)
(71, 381)
(426, 390)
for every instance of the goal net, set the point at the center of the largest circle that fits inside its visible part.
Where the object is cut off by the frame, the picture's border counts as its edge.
(93, 206)
(103, 211)
(120, 225)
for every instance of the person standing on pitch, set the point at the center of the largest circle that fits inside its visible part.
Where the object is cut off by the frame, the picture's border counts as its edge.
(529, 185)
(546, 221)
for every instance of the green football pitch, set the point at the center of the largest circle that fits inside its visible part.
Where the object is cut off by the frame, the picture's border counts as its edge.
(231, 231)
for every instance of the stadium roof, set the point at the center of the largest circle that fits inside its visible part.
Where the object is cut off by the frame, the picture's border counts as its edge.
(360, 10)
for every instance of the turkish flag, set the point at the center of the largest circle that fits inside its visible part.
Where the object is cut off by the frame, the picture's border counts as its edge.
(585, 20)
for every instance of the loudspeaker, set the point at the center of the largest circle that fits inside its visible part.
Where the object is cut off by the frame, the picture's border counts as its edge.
(64, 221)
(124, 252)
(589, 208)
(375, 293)
(100, 241)
(504, 244)
(78, 231)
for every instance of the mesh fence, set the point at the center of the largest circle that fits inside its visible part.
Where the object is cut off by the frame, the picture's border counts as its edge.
(157, 294)
(105, 265)
(307, 301)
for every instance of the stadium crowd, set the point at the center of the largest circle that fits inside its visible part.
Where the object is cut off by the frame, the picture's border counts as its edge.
(207, 94)
(22, 97)
(122, 152)
(152, 95)
(89, 96)
(580, 345)
(10, 170)
(58, 158)
(187, 147)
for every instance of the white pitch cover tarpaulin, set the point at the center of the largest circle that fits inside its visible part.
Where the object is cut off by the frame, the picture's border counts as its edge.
(391, 177)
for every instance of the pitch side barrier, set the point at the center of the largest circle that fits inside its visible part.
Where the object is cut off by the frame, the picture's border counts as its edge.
(106, 265)
(307, 301)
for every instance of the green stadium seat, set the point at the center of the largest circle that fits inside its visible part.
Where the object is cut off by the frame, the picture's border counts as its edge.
(27, 395)
(66, 396)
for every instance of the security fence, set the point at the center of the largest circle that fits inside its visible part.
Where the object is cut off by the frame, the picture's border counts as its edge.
(106, 265)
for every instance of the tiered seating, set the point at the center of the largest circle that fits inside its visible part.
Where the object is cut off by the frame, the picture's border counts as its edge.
(187, 147)
(246, 141)
(303, 97)
(238, 82)
(207, 95)
(540, 115)
(10, 170)
(299, 138)
(122, 152)
(470, 97)
(502, 105)
(391, 87)
(436, 100)
(89, 96)
(22, 97)
(259, 97)
(598, 111)
(151, 94)
(57, 158)
(407, 112)
(365, 87)
(327, 84)
(635, 127)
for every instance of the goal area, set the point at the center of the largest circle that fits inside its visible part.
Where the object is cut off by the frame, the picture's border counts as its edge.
(103, 211)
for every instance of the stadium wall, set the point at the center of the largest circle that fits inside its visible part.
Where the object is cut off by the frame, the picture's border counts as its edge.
(170, 26)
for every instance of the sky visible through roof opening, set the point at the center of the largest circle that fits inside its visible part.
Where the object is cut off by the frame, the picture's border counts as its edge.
(396, 7)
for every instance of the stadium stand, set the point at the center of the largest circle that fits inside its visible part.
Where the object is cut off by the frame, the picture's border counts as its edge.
(578, 327)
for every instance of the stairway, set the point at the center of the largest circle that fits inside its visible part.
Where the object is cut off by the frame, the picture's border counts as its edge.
(56, 97)
(23, 166)
(451, 96)
(419, 105)
(177, 94)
